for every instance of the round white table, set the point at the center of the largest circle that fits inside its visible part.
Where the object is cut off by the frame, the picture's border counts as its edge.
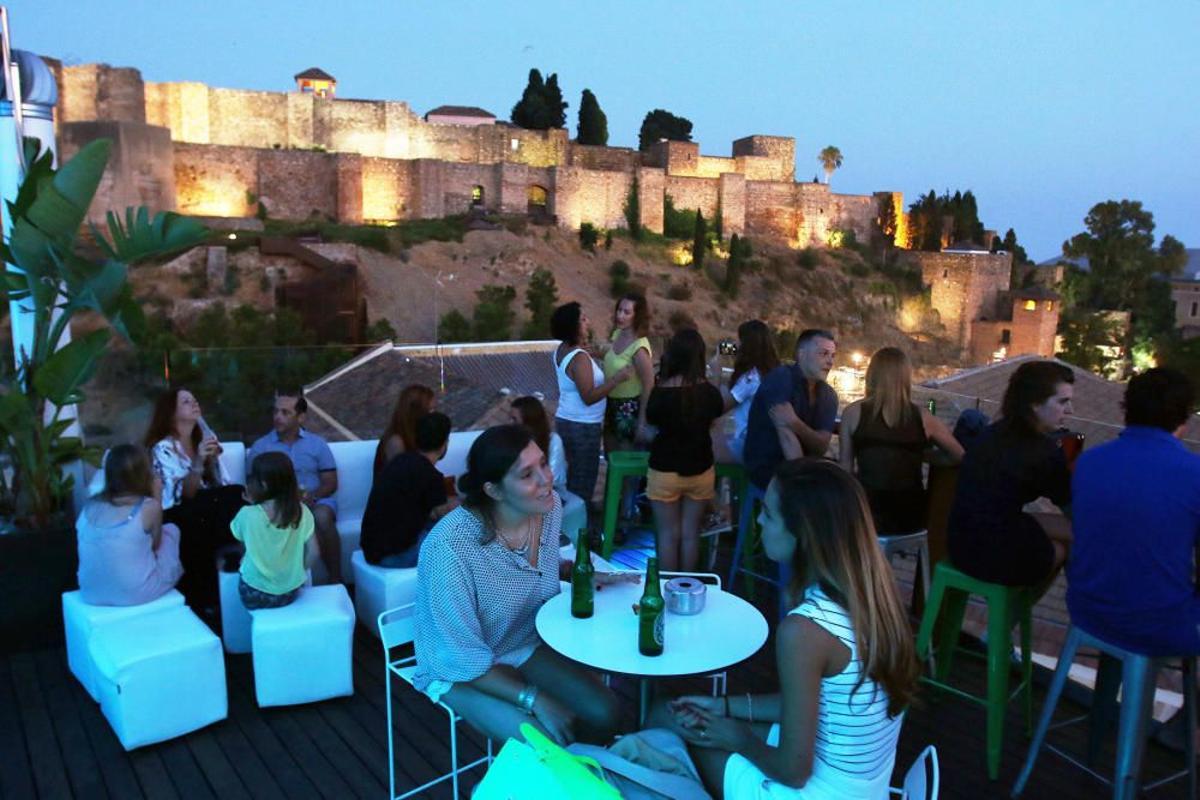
(727, 631)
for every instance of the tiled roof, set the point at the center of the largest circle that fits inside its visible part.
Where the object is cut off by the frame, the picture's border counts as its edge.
(474, 384)
(460, 111)
(1097, 402)
(314, 74)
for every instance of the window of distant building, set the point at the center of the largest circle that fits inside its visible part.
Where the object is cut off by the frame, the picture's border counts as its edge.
(1049, 305)
(1031, 305)
(1005, 336)
(476, 195)
(945, 273)
(1194, 307)
(515, 144)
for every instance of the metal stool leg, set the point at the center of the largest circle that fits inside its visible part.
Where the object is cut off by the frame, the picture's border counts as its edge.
(999, 632)
(1137, 699)
(1189, 718)
(1061, 672)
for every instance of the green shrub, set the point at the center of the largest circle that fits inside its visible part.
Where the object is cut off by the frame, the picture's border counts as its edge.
(808, 258)
(618, 273)
(588, 236)
(494, 316)
(379, 331)
(608, 237)
(857, 269)
(453, 327)
(677, 223)
(679, 291)
(540, 298)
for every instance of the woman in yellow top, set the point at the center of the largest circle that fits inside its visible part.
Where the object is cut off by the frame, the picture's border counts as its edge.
(625, 416)
(275, 530)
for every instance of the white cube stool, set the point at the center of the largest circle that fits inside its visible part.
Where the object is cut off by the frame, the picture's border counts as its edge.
(159, 676)
(376, 589)
(80, 620)
(302, 652)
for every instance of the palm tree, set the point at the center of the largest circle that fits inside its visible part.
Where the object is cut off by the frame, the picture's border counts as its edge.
(831, 159)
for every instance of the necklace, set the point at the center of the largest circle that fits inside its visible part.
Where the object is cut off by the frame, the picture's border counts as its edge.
(523, 550)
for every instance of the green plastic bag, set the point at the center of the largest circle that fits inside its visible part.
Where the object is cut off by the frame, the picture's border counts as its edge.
(538, 769)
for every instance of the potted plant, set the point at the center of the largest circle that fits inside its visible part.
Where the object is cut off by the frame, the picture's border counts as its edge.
(47, 275)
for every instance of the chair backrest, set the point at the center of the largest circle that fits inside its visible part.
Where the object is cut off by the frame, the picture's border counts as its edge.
(355, 470)
(922, 779)
(454, 463)
(396, 626)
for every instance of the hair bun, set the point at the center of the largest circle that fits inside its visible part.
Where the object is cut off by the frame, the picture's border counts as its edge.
(468, 484)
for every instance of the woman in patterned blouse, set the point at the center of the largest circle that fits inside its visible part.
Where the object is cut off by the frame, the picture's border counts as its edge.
(484, 571)
(197, 495)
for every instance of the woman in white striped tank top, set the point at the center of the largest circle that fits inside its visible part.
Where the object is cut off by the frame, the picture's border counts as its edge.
(847, 667)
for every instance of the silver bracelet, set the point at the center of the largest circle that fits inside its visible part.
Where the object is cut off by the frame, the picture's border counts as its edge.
(749, 707)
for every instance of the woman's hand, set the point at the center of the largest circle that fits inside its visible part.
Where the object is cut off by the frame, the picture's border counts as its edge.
(623, 374)
(208, 448)
(556, 719)
(706, 729)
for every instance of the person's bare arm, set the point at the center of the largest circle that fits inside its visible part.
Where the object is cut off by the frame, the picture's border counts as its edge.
(580, 370)
(941, 436)
(850, 418)
(782, 415)
(393, 447)
(505, 684)
(328, 486)
(812, 442)
(152, 521)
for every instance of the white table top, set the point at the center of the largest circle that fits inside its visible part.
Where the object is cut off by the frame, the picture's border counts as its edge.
(727, 631)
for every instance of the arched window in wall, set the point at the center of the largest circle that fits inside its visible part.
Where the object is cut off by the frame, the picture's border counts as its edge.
(477, 195)
(538, 199)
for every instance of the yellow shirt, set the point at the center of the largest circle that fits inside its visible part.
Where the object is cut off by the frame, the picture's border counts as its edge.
(274, 560)
(614, 362)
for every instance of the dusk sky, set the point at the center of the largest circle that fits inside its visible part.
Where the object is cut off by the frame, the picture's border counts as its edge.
(1041, 108)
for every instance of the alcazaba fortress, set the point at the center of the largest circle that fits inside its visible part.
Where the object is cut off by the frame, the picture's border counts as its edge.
(214, 152)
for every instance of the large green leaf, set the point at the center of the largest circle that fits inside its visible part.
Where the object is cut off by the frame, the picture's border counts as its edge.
(139, 237)
(39, 169)
(59, 379)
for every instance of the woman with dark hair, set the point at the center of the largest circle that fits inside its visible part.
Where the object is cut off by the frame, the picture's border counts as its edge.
(196, 491)
(884, 438)
(483, 573)
(1014, 462)
(625, 416)
(756, 357)
(126, 555)
(582, 393)
(845, 654)
(400, 435)
(680, 482)
(277, 531)
(530, 412)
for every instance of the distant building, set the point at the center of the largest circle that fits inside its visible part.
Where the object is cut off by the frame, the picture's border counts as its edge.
(1185, 293)
(460, 115)
(317, 82)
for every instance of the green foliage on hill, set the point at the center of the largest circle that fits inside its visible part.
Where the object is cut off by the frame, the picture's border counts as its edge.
(699, 241)
(541, 296)
(926, 215)
(588, 236)
(493, 317)
(453, 327)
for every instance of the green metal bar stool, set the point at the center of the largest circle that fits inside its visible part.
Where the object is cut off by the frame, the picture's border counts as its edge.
(1006, 606)
(621, 465)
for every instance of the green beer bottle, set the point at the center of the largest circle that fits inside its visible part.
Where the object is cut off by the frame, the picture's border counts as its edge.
(651, 614)
(582, 588)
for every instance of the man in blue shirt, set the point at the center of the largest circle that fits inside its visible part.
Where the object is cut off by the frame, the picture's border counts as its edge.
(316, 472)
(1136, 516)
(793, 412)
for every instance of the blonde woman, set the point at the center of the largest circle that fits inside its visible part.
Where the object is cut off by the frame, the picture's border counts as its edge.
(884, 438)
(847, 668)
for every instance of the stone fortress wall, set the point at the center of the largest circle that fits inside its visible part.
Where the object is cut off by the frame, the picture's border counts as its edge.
(208, 151)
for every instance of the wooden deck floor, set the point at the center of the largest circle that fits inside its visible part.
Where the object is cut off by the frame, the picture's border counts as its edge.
(54, 743)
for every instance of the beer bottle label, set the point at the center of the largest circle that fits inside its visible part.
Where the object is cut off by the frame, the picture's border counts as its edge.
(659, 625)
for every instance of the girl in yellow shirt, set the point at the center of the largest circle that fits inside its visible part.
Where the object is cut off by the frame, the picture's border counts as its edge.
(275, 530)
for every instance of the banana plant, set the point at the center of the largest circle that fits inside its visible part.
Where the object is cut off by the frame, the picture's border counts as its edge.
(51, 282)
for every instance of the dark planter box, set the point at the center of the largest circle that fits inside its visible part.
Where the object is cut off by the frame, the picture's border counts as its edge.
(36, 567)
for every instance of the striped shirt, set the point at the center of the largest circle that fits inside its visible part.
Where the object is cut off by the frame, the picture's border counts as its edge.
(855, 736)
(477, 603)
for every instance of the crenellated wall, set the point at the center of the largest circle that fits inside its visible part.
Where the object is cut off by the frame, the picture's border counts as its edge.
(205, 148)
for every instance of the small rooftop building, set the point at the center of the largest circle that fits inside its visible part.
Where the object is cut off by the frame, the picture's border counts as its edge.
(460, 115)
(317, 82)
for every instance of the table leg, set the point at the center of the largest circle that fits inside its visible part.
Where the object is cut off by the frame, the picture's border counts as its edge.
(644, 696)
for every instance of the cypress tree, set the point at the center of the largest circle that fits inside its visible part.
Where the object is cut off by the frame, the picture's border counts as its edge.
(556, 107)
(633, 211)
(593, 123)
(528, 110)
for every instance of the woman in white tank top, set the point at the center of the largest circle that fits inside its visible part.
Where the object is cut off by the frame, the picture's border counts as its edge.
(582, 390)
(847, 666)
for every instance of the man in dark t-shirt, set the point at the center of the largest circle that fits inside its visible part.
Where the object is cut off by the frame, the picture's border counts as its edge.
(793, 412)
(406, 497)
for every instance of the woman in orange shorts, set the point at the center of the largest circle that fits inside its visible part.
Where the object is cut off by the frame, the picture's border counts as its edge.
(682, 406)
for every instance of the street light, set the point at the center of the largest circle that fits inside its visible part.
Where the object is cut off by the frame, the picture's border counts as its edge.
(856, 358)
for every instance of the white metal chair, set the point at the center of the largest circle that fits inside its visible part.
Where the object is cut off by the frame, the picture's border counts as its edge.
(717, 678)
(922, 779)
(395, 629)
(910, 544)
